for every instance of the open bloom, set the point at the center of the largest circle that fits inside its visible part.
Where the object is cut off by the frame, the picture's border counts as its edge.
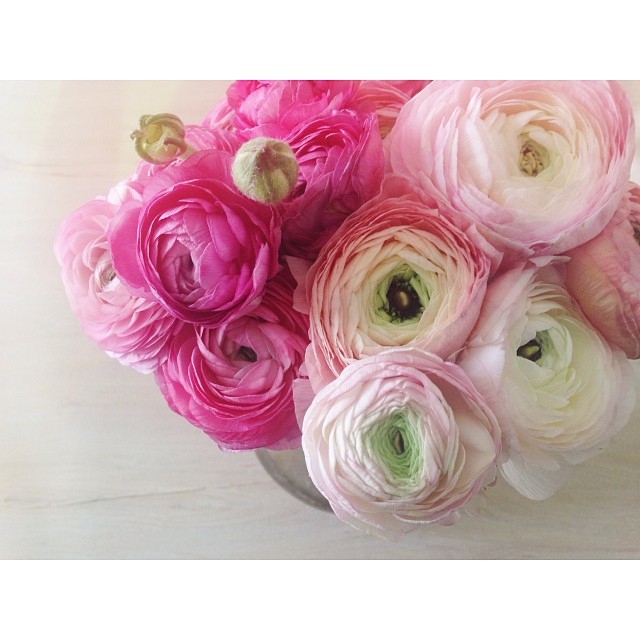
(195, 244)
(396, 273)
(400, 439)
(559, 391)
(235, 381)
(537, 167)
(604, 276)
(129, 328)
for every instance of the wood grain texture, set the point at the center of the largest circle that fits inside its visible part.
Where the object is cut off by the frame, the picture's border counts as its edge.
(92, 462)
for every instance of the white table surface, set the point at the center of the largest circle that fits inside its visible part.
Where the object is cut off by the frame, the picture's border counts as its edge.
(92, 462)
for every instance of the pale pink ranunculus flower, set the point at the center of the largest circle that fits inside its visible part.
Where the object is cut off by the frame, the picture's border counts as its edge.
(396, 273)
(400, 439)
(194, 243)
(537, 167)
(235, 381)
(559, 390)
(604, 276)
(129, 328)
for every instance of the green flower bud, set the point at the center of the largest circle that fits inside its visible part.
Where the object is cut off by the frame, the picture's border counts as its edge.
(265, 170)
(160, 138)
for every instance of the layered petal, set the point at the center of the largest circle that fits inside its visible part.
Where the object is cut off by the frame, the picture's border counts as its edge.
(400, 439)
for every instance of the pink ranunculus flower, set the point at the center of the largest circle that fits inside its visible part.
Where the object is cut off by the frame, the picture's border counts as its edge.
(559, 391)
(400, 439)
(235, 381)
(253, 103)
(131, 329)
(604, 276)
(195, 244)
(396, 273)
(537, 167)
(341, 166)
(335, 138)
(385, 98)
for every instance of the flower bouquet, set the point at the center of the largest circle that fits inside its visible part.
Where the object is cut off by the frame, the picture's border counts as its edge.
(424, 285)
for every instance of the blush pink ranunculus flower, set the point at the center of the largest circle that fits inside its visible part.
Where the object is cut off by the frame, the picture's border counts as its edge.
(604, 276)
(235, 381)
(396, 273)
(385, 98)
(400, 439)
(195, 244)
(131, 329)
(558, 389)
(537, 167)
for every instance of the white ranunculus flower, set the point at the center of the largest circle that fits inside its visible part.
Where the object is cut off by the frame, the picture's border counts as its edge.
(400, 439)
(559, 391)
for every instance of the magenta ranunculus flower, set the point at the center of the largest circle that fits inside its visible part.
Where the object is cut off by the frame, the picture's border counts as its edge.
(559, 391)
(396, 273)
(538, 167)
(253, 103)
(400, 439)
(199, 247)
(341, 166)
(334, 135)
(131, 329)
(235, 381)
(604, 276)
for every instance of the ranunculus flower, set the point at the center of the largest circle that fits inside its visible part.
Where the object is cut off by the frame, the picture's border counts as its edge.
(385, 98)
(235, 381)
(396, 273)
(334, 135)
(132, 329)
(604, 276)
(341, 166)
(559, 391)
(193, 242)
(538, 167)
(252, 103)
(398, 440)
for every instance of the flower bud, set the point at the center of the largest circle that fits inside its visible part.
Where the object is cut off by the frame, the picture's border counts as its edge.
(265, 170)
(160, 138)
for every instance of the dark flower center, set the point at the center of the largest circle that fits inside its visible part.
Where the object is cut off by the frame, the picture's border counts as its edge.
(532, 350)
(247, 354)
(402, 300)
(397, 442)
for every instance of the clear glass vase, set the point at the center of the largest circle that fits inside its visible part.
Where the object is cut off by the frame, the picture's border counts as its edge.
(289, 470)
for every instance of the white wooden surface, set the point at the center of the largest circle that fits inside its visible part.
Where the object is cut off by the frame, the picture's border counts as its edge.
(92, 462)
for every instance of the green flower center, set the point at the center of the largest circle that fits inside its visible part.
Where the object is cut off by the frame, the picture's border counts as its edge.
(534, 158)
(395, 442)
(401, 296)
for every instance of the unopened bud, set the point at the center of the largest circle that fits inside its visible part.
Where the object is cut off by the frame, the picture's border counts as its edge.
(265, 170)
(160, 138)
